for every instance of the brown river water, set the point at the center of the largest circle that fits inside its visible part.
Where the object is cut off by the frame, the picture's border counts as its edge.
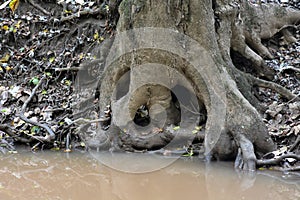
(55, 175)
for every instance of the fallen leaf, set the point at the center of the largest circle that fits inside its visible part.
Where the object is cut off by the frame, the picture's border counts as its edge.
(5, 58)
(34, 80)
(14, 5)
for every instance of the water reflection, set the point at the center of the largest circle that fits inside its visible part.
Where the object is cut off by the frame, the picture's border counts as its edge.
(52, 175)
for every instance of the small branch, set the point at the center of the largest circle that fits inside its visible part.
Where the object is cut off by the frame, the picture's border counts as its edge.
(48, 137)
(51, 134)
(68, 69)
(23, 108)
(297, 96)
(37, 6)
(83, 12)
(87, 121)
(12, 133)
(276, 161)
(296, 143)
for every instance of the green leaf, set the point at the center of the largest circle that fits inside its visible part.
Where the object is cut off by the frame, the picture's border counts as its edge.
(4, 110)
(55, 149)
(194, 131)
(176, 128)
(44, 92)
(189, 154)
(68, 82)
(51, 60)
(34, 80)
(107, 8)
(35, 129)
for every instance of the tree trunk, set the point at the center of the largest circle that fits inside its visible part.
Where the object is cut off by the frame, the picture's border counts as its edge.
(170, 65)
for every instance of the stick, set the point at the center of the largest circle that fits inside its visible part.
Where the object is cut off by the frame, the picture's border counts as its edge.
(37, 6)
(50, 136)
(83, 12)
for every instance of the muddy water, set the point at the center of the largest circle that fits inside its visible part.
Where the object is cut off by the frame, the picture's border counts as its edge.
(53, 175)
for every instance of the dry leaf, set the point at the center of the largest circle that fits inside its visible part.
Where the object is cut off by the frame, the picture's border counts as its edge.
(14, 5)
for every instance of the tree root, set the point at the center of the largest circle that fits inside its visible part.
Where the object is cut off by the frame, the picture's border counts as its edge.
(12, 133)
(246, 158)
(276, 161)
(289, 38)
(291, 68)
(267, 84)
(51, 135)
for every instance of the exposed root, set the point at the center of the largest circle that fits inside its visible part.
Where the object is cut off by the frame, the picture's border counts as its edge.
(13, 133)
(255, 42)
(290, 68)
(276, 161)
(246, 158)
(51, 135)
(267, 84)
(288, 36)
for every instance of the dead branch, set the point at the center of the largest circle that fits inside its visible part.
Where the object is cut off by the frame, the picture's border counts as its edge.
(50, 136)
(83, 12)
(12, 133)
(68, 69)
(87, 121)
(37, 6)
(296, 144)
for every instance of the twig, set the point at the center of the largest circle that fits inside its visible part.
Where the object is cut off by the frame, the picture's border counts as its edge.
(296, 143)
(37, 6)
(68, 69)
(297, 96)
(51, 134)
(12, 133)
(87, 121)
(83, 12)
(277, 160)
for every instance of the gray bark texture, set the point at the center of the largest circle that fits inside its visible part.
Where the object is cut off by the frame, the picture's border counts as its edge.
(218, 89)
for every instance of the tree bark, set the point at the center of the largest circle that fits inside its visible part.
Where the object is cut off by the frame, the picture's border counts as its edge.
(208, 79)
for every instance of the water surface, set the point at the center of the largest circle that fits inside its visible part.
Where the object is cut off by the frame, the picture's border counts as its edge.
(54, 175)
